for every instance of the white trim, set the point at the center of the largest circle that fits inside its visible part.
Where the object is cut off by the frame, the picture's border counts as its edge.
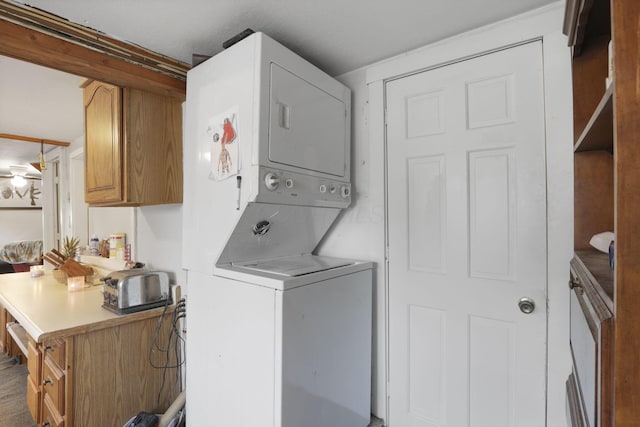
(527, 26)
(78, 152)
(545, 23)
(78, 209)
(48, 194)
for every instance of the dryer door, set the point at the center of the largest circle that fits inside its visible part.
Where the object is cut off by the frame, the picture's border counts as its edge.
(307, 126)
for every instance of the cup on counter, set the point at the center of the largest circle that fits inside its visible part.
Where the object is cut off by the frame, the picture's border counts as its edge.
(75, 283)
(37, 270)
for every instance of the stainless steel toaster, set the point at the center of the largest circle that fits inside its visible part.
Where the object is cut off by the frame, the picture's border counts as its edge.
(128, 291)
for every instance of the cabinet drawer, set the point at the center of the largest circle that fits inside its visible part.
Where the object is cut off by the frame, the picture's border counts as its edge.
(50, 415)
(55, 349)
(33, 398)
(34, 361)
(53, 383)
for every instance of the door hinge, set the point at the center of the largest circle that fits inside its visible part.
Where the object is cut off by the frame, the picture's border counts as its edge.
(388, 389)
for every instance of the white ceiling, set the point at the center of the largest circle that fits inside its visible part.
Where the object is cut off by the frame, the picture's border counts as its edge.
(36, 102)
(336, 35)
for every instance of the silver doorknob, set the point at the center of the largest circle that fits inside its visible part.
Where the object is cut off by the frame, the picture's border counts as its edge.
(527, 305)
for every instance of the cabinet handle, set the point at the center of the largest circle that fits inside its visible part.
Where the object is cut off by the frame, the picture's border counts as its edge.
(48, 348)
(575, 283)
(46, 423)
(47, 381)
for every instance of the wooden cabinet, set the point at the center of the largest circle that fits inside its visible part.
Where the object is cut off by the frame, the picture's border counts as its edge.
(133, 147)
(34, 380)
(607, 198)
(45, 386)
(50, 415)
(102, 376)
(590, 384)
(4, 344)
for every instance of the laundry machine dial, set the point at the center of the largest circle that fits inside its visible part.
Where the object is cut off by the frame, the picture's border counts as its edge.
(271, 181)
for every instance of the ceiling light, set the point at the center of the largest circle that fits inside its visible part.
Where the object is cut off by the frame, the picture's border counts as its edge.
(18, 173)
(18, 181)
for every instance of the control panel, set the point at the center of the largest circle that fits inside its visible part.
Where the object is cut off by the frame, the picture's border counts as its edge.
(278, 186)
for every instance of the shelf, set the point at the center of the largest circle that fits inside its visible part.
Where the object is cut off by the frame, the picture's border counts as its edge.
(598, 133)
(584, 19)
(596, 266)
(19, 336)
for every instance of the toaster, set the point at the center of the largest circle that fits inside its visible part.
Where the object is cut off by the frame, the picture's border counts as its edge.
(129, 291)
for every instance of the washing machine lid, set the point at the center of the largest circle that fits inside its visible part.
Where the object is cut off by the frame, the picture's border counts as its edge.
(293, 266)
(270, 231)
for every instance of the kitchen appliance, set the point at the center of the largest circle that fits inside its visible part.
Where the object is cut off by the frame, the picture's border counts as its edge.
(129, 291)
(278, 336)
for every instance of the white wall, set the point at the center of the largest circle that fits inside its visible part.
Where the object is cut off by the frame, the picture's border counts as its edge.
(159, 238)
(106, 221)
(360, 231)
(20, 224)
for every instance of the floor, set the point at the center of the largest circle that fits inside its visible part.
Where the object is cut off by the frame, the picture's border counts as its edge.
(13, 387)
(376, 422)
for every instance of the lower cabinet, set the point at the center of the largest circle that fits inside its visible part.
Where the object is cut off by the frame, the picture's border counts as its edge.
(99, 378)
(34, 397)
(46, 382)
(589, 387)
(50, 415)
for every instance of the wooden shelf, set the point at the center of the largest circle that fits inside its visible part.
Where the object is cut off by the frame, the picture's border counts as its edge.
(596, 266)
(598, 133)
(583, 19)
(19, 336)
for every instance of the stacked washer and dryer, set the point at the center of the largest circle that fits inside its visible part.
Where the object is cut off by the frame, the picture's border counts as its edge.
(277, 336)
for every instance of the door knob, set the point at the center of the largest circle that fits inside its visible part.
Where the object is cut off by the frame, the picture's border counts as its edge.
(527, 305)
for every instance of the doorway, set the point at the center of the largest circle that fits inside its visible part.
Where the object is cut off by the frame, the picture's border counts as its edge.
(467, 234)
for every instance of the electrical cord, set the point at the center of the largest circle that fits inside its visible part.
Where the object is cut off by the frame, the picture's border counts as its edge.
(174, 342)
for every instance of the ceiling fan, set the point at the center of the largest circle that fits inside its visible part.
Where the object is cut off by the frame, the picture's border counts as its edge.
(26, 166)
(20, 174)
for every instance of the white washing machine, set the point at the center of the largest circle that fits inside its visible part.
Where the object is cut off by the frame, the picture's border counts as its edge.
(277, 337)
(288, 343)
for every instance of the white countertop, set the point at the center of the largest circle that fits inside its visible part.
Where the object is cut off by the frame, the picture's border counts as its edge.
(45, 308)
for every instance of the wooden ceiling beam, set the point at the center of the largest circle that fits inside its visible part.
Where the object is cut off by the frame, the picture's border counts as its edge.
(49, 47)
(36, 140)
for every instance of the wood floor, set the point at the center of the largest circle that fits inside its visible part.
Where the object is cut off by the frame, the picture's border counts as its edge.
(13, 388)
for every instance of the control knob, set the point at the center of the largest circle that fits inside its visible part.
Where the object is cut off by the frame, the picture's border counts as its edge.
(271, 181)
(345, 192)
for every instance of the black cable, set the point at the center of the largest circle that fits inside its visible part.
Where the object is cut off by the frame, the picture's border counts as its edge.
(175, 342)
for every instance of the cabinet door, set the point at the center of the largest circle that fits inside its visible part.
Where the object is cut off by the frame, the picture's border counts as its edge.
(3, 332)
(53, 383)
(591, 343)
(50, 415)
(55, 349)
(33, 398)
(103, 144)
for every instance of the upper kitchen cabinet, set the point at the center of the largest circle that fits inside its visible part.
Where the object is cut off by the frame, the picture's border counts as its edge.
(133, 146)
